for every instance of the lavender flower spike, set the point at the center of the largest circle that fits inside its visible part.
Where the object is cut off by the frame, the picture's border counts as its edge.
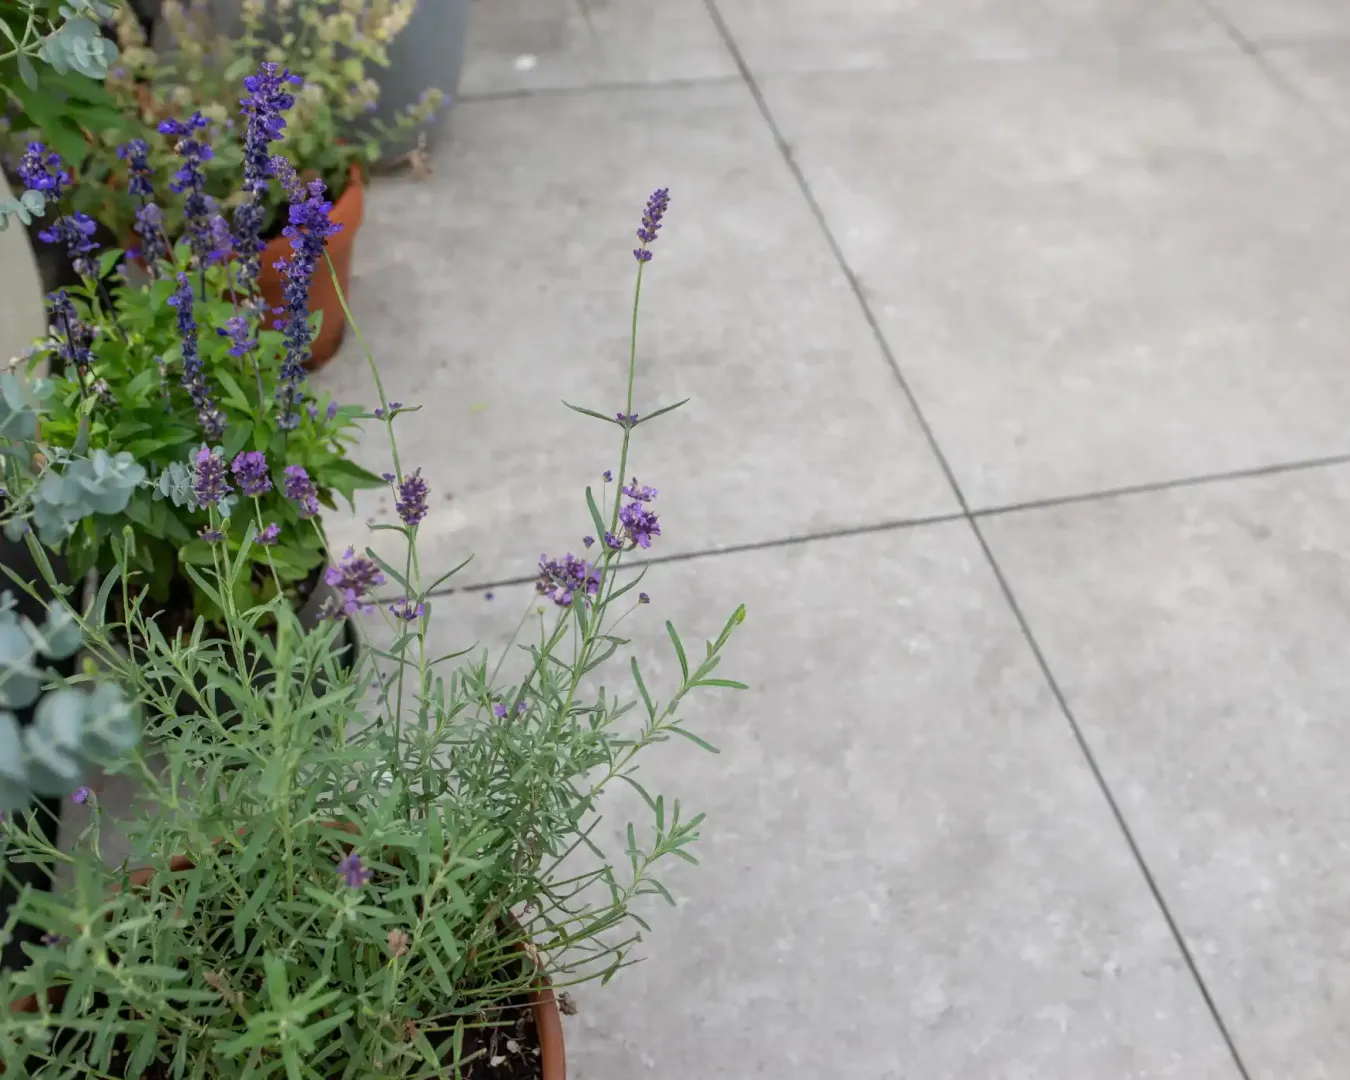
(561, 579)
(652, 214)
(250, 473)
(411, 498)
(353, 871)
(40, 170)
(300, 489)
(353, 578)
(76, 231)
(209, 482)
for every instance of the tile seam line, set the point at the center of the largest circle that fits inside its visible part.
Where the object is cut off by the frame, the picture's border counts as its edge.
(901, 524)
(800, 177)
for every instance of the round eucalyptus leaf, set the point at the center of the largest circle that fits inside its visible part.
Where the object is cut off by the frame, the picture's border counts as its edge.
(112, 724)
(61, 634)
(20, 681)
(15, 793)
(53, 742)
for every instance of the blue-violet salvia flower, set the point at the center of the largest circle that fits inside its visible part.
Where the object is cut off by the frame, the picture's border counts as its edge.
(239, 330)
(353, 871)
(40, 170)
(410, 498)
(136, 153)
(190, 180)
(219, 240)
(270, 534)
(210, 483)
(76, 232)
(561, 579)
(308, 231)
(353, 578)
(194, 381)
(150, 228)
(300, 489)
(250, 473)
(652, 214)
(74, 337)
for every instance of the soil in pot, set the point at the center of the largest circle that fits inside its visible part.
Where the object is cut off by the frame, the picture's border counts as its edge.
(348, 210)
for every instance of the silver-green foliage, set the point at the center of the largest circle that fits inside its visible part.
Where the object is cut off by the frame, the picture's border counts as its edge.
(474, 796)
(72, 727)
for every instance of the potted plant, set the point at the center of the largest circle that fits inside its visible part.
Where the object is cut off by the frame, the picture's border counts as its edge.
(391, 881)
(182, 388)
(330, 47)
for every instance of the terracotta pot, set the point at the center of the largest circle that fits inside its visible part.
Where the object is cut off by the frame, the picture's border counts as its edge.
(547, 1019)
(347, 211)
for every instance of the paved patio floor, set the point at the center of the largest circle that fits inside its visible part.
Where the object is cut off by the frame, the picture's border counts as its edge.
(1017, 334)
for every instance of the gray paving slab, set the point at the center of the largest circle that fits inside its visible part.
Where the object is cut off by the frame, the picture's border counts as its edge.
(1286, 20)
(504, 284)
(566, 44)
(1198, 636)
(778, 36)
(1093, 274)
(907, 869)
(1320, 72)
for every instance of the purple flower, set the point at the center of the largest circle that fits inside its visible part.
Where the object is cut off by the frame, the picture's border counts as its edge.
(250, 473)
(150, 228)
(308, 232)
(190, 180)
(561, 579)
(210, 535)
(606, 476)
(499, 710)
(219, 239)
(587, 541)
(612, 542)
(267, 100)
(268, 536)
(300, 489)
(411, 498)
(652, 214)
(641, 493)
(286, 176)
(136, 153)
(626, 420)
(40, 170)
(76, 232)
(194, 381)
(55, 940)
(240, 332)
(640, 523)
(75, 338)
(353, 578)
(81, 796)
(210, 483)
(353, 871)
(406, 610)
(643, 598)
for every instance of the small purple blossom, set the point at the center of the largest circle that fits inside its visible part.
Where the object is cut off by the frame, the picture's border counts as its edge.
(353, 578)
(75, 338)
(411, 498)
(640, 492)
(190, 180)
(210, 483)
(210, 535)
(219, 239)
(150, 228)
(406, 610)
(612, 542)
(40, 170)
(239, 329)
(300, 489)
(136, 153)
(587, 541)
(499, 710)
(269, 535)
(626, 420)
(353, 871)
(606, 476)
(652, 214)
(640, 523)
(643, 598)
(561, 579)
(55, 940)
(81, 795)
(250, 473)
(76, 232)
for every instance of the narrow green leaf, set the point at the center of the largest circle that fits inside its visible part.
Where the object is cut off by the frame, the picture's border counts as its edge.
(595, 516)
(679, 650)
(591, 412)
(729, 684)
(642, 688)
(693, 738)
(661, 411)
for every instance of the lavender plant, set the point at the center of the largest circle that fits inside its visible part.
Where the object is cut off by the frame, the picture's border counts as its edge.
(186, 375)
(374, 879)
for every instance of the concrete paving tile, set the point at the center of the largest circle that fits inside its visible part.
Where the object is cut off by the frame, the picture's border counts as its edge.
(1093, 274)
(1320, 72)
(907, 870)
(563, 44)
(1287, 20)
(1199, 638)
(815, 35)
(504, 284)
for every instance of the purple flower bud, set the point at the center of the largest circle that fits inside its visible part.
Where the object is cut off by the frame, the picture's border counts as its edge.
(406, 610)
(209, 484)
(561, 579)
(643, 598)
(411, 499)
(81, 796)
(269, 535)
(353, 871)
(353, 578)
(300, 489)
(499, 710)
(250, 473)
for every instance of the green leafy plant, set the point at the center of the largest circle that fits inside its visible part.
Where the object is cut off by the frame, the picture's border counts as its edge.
(330, 45)
(65, 99)
(372, 881)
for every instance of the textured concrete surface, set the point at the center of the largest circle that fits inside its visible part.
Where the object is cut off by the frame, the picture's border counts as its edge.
(1015, 333)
